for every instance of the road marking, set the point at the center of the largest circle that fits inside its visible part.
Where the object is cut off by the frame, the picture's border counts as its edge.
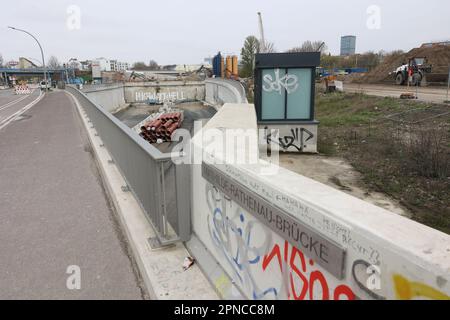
(14, 116)
(11, 103)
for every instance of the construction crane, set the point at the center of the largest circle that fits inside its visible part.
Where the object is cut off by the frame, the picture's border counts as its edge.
(262, 40)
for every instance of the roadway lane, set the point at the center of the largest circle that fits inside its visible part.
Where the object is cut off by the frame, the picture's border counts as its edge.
(12, 103)
(7, 95)
(426, 94)
(54, 213)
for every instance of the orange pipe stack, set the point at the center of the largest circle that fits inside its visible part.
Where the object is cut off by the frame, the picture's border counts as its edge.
(161, 128)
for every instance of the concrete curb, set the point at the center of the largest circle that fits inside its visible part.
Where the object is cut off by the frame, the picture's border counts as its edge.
(161, 269)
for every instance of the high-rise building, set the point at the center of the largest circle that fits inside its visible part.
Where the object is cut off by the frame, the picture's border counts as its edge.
(348, 45)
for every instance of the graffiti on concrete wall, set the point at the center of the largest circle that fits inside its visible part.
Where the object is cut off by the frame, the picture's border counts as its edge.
(302, 280)
(263, 264)
(159, 96)
(235, 242)
(252, 251)
(407, 290)
(295, 139)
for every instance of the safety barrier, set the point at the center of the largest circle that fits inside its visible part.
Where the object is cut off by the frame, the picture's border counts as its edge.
(279, 235)
(220, 91)
(161, 188)
(111, 97)
(22, 89)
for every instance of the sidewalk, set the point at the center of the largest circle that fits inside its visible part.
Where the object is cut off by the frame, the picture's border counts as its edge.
(54, 212)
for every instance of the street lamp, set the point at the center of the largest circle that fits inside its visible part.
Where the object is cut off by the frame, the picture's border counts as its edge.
(42, 52)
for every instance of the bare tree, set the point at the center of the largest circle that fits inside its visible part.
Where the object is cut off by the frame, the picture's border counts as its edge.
(53, 63)
(310, 46)
(139, 66)
(270, 47)
(1, 60)
(153, 65)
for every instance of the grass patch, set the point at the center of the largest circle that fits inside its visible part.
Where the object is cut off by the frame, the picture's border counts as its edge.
(403, 156)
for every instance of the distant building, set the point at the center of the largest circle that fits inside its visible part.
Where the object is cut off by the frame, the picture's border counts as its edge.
(208, 61)
(86, 65)
(73, 63)
(119, 66)
(190, 67)
(348, 45)
(12, 64)
(25, 63)
(435, 44)
(103, 63)
(169, 67)
(96, 70)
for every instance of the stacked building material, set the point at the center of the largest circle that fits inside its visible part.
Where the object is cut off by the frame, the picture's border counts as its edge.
(161, 129)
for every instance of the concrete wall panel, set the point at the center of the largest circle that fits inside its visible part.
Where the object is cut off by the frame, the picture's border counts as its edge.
(110, 97)
(178, 90)
(387, 256)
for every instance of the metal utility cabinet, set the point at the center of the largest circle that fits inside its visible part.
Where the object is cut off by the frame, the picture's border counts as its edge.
(284, 99)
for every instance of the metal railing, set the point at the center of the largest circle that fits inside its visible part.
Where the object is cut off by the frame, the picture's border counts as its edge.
(161, 187)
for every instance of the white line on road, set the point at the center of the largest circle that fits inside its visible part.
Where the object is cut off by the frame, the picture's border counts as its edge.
(11, 103)
(14, 116)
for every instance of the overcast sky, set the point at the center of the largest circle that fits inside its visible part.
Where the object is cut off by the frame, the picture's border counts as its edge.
(176, 31)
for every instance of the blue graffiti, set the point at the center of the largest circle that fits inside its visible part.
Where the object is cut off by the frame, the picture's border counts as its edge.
(233, 239)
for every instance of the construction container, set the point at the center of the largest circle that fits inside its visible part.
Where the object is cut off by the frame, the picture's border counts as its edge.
(229, 67)
(235, 67)
(217, 65)
(222, 67)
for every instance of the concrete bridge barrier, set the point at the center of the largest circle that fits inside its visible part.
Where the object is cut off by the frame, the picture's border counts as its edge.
(220, 91)
(110, 97)
(263, 232)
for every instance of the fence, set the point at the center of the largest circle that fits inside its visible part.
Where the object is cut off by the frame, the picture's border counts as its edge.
(161, 188)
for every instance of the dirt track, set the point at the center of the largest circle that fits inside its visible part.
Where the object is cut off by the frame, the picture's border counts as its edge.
(427, 94)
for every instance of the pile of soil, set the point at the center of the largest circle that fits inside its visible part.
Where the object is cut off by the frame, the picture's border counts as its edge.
(438, 57)
(352, 77)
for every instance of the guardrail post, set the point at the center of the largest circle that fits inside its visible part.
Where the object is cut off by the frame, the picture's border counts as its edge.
(183, 179)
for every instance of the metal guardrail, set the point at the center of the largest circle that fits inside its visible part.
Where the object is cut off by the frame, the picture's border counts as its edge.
(161, 187)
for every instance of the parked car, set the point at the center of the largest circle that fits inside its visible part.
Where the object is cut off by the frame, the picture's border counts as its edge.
(45, 85)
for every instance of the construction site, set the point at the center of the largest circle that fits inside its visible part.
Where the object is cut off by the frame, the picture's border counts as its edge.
(437, 57)
(249, 164)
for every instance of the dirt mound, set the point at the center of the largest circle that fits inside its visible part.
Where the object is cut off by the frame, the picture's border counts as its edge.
(350, 78)
(438, 57)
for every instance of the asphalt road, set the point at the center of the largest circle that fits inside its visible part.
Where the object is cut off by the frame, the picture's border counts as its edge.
(54, 213)
(11, 103)
(426, 94)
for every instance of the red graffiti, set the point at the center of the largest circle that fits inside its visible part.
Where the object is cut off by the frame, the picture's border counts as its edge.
(296, 262)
